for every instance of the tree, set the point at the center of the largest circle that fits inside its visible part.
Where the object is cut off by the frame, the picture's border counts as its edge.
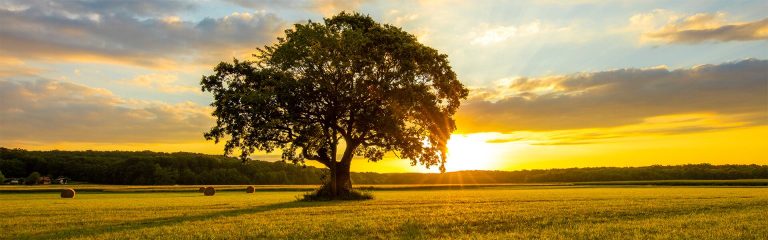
(32, 178)
(163, 176)
(346, 82)
(2, 177)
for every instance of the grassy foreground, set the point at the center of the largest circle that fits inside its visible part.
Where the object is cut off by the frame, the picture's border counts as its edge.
(551, 212)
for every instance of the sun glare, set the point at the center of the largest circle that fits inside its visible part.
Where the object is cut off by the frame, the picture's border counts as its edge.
(471, 152)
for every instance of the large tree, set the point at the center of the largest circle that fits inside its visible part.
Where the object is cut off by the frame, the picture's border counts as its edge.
(347, 82)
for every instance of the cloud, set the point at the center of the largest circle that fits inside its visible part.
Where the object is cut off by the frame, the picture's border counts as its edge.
(167, 83)
(80, 7)
(497, 34)
(324, 7)
(46, 111)
(697, 28)
(618, 98)
(652, 126)
(121, 32)
(505, 140)
(10, 66)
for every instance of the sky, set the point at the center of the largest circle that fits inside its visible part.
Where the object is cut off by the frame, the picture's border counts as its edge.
(553, 84)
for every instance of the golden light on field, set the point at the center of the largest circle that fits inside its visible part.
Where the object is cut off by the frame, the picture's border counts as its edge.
(471, 152)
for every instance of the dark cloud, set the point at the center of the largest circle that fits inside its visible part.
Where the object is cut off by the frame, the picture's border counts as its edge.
(49, 111)
(119, 31)
(623, 97)
(101, 7)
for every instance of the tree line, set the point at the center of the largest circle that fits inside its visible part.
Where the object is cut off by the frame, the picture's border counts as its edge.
(154, 168)
(150, 168)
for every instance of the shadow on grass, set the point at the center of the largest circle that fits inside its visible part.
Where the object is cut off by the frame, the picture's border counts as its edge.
(166, 221)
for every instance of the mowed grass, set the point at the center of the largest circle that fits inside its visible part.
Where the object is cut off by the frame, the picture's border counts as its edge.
(541, 212)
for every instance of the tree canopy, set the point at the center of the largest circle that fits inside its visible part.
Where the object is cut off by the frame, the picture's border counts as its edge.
(348, 81)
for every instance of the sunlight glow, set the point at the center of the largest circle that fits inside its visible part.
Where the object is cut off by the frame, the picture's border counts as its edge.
(471, 152)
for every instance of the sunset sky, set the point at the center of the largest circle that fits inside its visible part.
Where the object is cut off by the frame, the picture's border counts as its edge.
(554, 84)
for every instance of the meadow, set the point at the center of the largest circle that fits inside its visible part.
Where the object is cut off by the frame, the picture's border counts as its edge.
(410, 212)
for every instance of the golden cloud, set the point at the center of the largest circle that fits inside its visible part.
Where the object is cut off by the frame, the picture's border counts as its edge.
(618, 98)
(648, 127)
(48, 111)
(697, 28)
(167, 83)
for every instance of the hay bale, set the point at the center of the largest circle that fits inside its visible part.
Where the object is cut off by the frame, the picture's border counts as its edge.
(201, 189)
(250, 189)
(68, 193)
(209, 191)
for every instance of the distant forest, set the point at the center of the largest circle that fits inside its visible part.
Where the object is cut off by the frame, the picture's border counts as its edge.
(149, 168)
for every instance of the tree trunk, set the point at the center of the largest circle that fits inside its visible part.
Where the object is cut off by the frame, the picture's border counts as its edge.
(343, 180)
(339, 185)
(334, 178)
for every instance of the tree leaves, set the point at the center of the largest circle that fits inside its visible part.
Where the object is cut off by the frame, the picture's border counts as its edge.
(347, 81)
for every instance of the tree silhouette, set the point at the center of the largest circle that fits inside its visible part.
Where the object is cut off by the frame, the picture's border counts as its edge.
(348, 82)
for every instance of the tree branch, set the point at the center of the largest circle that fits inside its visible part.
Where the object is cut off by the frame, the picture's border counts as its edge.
(349, 152)
(309, 156)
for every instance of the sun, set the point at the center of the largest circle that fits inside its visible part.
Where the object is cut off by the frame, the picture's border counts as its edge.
(471, 152)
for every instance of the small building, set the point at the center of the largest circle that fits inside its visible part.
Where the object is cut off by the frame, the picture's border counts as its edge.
(61, 180)
(14, 181)
(44, 180)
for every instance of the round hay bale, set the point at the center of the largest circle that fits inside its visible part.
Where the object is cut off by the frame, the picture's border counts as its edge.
(68, 193)
(250, 189)
(201, 189)
(209, 191)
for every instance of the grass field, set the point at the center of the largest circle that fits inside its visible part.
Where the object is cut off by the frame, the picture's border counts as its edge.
(496, 212)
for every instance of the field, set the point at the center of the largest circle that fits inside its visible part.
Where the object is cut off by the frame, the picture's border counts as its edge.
(494, 212)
